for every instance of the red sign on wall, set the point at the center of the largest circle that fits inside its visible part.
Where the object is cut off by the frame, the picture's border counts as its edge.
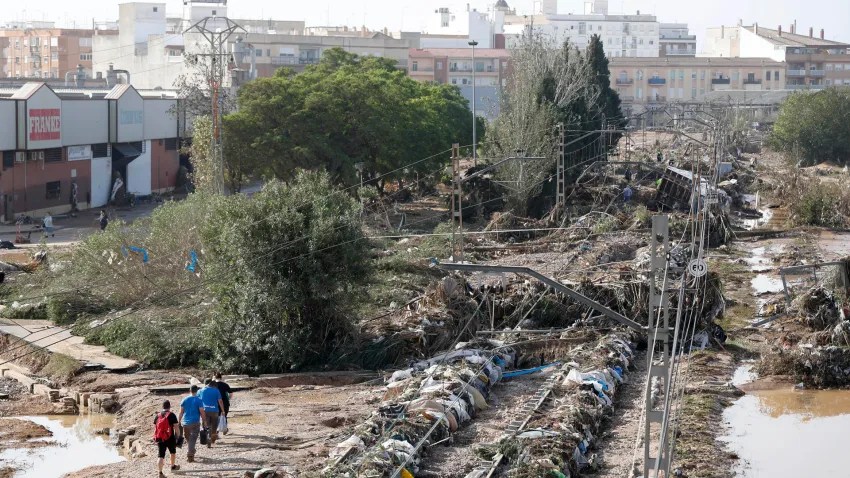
(45, 124)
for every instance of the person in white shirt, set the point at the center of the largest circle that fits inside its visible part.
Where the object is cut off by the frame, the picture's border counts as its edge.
(47, 222)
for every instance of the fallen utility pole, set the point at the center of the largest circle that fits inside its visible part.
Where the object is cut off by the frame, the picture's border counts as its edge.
(581, 299)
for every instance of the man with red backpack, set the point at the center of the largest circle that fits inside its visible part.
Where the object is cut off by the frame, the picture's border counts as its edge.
(165, 433)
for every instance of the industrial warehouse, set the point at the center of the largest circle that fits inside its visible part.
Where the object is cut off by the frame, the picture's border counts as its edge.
(67, 149)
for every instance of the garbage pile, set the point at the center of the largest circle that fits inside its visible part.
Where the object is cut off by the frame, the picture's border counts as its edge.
(560, 443)
(423, 405)
(820, 308)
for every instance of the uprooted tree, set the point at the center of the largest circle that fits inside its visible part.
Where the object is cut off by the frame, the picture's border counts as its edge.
(287, 260)
(547, 86)
(815, 127)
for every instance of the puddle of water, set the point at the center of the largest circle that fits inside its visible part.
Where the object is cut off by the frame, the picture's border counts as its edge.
(787, 433)
(766, 215)
(72, 447)
(765, 284)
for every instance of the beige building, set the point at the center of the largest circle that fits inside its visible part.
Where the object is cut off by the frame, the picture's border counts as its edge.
(44, 52)
(813, 62)
(646, 82)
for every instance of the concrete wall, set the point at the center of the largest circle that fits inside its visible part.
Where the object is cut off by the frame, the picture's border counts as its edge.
(8, 140)
(84, 122)
(101, 181)
(25, 186)
(139, 173)
(159, 122)
(754, 46)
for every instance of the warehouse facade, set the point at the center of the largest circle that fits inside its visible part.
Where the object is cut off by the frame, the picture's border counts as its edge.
(66, 148)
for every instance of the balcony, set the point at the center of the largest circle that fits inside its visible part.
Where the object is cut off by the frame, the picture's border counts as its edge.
(816, 73)
(284, 60)
(721, 81)
(657, 81)
(797, 73)
(752, 82)
(625, 81)
(422, 69)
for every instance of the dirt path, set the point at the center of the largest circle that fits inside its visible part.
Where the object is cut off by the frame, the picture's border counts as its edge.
(618, 444)
(291, 428)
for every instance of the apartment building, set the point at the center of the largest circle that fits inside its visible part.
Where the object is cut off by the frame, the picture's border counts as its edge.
(675, 39)
(646, 82)
(812, 61)
(39, 50)
(454, 66)
(152, 47)
(67, 145)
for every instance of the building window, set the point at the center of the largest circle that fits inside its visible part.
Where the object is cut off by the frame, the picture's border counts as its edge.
(693, 93)
(454, 81)
(214, 13)
(702, 75)
(85, 42)
(767, 76)
(694, 75)
(652, 42)
(776, 75)
(155, 9)
(415, 66)
(85, 57)
(681, 74)
(640, 74)
(53, 155)
(672, 74)
(100, 150)
(8, 159)
(582, 28)
(54, 189)
(171, 144)
(258, 53)
(840, 67)
(829, 67)
(639, 95)
(439, 65)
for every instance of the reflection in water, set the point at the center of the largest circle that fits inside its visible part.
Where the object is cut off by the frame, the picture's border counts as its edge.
(765, 284)
(72, 447)
(786, 433)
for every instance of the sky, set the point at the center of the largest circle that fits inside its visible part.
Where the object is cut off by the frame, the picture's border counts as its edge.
(831, 15)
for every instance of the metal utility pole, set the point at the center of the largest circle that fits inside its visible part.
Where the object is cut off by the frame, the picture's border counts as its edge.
(217, 31)
(561, 195)
(658, 351)
(457, 207)
(473, 44)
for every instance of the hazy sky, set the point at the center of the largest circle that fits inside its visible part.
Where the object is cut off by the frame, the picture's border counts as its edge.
(832, 15)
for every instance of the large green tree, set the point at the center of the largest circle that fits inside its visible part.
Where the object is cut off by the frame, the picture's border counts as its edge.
(815, 127)
(346, 110)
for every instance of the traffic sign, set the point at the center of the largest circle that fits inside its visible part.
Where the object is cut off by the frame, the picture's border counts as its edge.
(697, 268)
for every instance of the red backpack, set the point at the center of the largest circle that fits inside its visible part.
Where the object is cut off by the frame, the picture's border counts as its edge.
(163, 430)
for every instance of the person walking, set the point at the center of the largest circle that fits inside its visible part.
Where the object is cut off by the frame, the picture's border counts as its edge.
(226, 392)
(627, 194)
(165, 435)
(192, 414)
(103, 220)
(211, 398)
(47, 222)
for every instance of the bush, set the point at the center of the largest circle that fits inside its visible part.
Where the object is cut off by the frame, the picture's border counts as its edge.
(814, 126)
(820, 206)
(290, 257)
(155, 342)
(66, 309)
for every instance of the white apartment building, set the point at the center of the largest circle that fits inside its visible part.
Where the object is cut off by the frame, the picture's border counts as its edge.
(675, 39)
(813, 62)
(151, 48)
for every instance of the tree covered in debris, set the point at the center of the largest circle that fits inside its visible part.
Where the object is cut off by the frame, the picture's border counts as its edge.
(548, 85)
(285, 262)
(343, 111)
(815, 127)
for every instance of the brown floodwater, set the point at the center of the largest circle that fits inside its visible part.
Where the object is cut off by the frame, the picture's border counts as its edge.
(790, 433)
(72, 447)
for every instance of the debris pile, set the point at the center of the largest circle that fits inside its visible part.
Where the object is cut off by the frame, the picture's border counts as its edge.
(423, 405)
(560, 443)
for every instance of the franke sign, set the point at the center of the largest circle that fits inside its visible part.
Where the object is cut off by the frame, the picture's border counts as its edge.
(45, 124)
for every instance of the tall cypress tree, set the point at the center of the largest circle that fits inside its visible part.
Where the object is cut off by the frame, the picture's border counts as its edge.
(609, 101)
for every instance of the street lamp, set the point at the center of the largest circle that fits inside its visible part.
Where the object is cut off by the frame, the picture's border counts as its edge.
(473, 44)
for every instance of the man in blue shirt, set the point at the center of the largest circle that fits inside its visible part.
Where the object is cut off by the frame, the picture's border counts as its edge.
(211, 398)
(191, 413)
